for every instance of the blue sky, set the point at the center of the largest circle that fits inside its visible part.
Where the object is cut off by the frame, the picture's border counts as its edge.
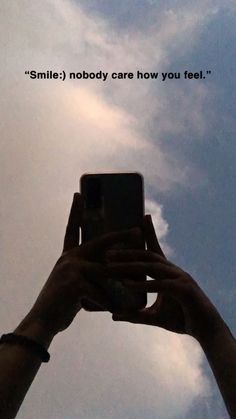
(180, 134)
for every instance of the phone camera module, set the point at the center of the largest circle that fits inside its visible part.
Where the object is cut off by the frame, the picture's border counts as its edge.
(94, 194)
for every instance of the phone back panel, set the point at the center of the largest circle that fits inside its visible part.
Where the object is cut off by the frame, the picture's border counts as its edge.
(113, 202)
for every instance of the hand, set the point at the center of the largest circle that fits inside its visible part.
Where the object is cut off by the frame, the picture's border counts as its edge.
(181, 306)
(77, 274)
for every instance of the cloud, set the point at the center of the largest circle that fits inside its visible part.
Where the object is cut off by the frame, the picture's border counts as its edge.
(160, 225)
(118, 370)
(63, 43)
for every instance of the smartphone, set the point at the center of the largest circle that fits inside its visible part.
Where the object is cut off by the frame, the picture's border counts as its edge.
(113, 202)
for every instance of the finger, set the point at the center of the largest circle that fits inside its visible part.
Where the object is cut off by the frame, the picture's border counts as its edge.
(151, 237)
(154, 270)
(167, 288)
(151, 286)
(110, 289)
(134, 255)
(141, 316)
(96, 296)
(94, 273)
(95, 284)
(99, 245)
(98, 276)
(71, 239)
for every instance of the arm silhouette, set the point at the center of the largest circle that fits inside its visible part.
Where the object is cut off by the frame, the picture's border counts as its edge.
(181, 306)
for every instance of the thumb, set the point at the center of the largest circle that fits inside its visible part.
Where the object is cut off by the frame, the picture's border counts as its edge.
(140, 316)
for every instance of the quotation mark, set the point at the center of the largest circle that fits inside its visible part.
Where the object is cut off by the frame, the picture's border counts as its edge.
(207, 73)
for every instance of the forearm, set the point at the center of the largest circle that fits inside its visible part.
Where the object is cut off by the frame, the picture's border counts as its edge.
(18, 367)
(220, 350)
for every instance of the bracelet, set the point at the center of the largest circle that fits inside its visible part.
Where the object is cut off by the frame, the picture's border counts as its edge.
(34, 346)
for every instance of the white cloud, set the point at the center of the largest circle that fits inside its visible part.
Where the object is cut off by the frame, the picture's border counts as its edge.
(101, 369)
(73, 41)
(160, 225)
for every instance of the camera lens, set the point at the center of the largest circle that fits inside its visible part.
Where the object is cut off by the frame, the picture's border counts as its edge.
(94, 193)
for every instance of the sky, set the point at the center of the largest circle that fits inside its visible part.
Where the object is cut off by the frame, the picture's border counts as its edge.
(180, 134)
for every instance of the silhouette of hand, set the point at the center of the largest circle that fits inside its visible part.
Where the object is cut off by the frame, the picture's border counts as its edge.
(181, 306)
(79, 273)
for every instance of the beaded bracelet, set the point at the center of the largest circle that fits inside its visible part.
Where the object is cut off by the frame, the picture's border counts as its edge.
(35, 347)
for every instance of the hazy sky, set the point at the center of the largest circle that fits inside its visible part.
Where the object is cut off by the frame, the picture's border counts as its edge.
(179, 133)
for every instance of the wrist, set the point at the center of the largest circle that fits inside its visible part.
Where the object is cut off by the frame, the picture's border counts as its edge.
(219, 332)
(32, 328)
